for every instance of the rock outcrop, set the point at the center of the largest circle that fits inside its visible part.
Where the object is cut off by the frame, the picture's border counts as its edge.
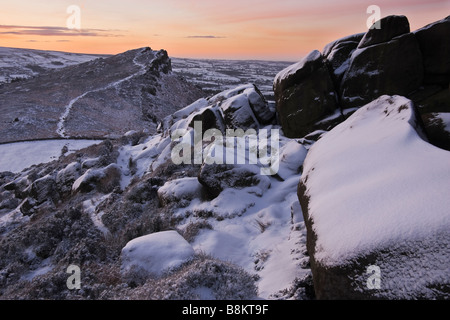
(435, 50)
(389, 28)
(240, 112)
(243, 107)
(391, 67)
(217, 177)
(433, 98)
(390, 60)
(338, 54)
(304, 95)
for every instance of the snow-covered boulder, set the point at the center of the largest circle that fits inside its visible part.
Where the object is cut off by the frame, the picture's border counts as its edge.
(19, 186)
(304, 94)
(375, 201)
(8, 201)
(237, 111)
(334, 44)
(263, 113)
(103, 179)
(291, 157)
(210, 118)
(180, 190)
(156, 253)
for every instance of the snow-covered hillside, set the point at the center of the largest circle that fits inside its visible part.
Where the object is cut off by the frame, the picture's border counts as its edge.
(249, 228)
(17, 63)
(100, 99)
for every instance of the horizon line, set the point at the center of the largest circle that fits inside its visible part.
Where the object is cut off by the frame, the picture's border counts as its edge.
(172, 57)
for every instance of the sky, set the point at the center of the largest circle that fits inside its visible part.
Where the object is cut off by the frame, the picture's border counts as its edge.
(216, 29)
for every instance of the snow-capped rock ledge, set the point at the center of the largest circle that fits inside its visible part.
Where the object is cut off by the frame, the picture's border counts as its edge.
(373, 192)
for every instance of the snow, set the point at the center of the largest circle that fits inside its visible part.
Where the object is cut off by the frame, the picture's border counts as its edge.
(373, 182)
(91, 174)
(156, 253)
(264, 230)
(217, 75)
(11, 220)
(178, 189)
(25, 63)
(235, 91)
(246, 226)
(291, 157)
(17, 156)
(44, 267)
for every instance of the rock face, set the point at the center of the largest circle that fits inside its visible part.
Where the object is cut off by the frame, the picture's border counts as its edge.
(218, 177)
(434, 96)
(390, 60)
(370, 230)
(435, 51)
(304, 94)
(390, 27)
(338, 54)
(393, 67)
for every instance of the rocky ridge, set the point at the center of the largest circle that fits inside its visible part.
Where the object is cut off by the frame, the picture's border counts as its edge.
(101, 98)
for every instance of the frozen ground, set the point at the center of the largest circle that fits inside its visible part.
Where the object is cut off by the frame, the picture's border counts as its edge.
(17, 156)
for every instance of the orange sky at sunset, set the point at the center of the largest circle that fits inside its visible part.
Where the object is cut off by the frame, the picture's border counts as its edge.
(232, 29)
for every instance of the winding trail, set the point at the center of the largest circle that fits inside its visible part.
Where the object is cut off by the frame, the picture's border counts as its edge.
(61, 131)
